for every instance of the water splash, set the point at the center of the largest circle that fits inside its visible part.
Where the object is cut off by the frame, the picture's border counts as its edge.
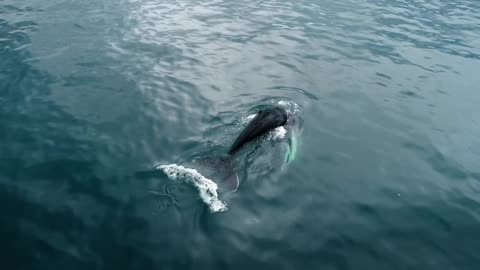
(206, 187)
(277, 133)
(290, 106)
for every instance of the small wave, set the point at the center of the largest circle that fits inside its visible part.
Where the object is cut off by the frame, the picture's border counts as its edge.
(206, 187)
(296, 89)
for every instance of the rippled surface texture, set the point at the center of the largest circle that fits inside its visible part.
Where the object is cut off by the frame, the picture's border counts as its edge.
(95, 94)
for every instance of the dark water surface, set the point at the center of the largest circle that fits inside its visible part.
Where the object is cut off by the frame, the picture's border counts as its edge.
(95, 94)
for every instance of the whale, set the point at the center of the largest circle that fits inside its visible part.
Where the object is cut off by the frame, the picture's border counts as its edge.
(216, 172)
(263, 122)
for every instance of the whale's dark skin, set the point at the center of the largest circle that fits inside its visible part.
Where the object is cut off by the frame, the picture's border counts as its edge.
(264, 121)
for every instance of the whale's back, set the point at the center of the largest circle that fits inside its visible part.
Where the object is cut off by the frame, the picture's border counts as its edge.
(264, 121)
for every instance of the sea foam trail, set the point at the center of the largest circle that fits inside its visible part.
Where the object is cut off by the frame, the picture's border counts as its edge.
(206, 187)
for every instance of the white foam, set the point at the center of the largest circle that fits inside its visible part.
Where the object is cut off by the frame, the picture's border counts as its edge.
(206, 187)
(278, 133)
(283, 103)
(290, 106)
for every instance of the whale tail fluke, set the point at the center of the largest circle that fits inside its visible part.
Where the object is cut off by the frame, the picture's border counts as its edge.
(221, 169)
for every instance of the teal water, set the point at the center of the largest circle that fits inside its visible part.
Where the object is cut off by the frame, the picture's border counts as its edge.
(95, 94)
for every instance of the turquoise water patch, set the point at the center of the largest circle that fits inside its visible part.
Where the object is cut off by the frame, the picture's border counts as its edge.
(291, 152)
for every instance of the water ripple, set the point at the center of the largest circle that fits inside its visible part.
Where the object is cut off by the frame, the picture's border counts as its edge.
(94, 93)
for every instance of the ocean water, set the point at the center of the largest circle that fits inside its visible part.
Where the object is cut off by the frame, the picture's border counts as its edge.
(96, 96)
